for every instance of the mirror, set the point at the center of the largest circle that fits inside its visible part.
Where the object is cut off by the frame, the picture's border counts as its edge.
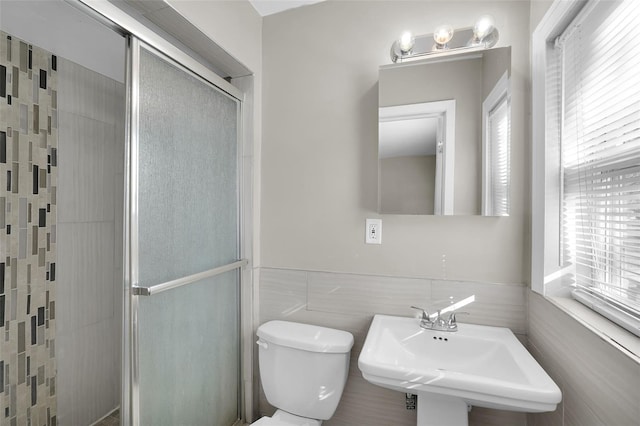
(416, 153)
(444, 135)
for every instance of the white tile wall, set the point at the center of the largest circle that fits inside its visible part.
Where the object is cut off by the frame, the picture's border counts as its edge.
(349, 301)
(88, 376)
(282, 294)
(599, 383)
(86, 274)
(88, 94)
(87, 168)
(500, 305)
(361, 294)
(90, 188)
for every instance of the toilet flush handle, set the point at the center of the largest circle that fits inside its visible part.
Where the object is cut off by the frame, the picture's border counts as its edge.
(262, 344)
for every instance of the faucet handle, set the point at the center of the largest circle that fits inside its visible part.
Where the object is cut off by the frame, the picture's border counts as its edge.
(451, 322)
(425, 314)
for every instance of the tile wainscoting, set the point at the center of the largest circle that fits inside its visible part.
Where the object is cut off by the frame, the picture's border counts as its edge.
(349, 301)
(599, 383)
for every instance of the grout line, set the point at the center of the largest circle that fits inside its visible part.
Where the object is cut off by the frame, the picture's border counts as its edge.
(113, 414)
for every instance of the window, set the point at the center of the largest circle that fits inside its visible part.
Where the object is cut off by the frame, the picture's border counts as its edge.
(592, 159)
(496, 154)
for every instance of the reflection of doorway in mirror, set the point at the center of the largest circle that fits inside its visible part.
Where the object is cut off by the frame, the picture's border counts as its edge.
(468, 78)
(416, 152)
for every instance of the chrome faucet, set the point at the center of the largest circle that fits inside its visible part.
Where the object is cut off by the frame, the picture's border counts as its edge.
(437, 322)
(425, 320)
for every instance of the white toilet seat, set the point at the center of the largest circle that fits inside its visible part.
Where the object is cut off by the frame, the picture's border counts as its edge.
(282, 418)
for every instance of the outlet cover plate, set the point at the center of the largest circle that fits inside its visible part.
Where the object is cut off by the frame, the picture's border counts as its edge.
(373, 231)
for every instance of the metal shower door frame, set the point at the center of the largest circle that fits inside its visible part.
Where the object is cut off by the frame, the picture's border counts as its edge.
(139, 35)
(130, 407)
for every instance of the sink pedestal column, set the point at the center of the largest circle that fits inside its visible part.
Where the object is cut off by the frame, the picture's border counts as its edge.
(441, 410)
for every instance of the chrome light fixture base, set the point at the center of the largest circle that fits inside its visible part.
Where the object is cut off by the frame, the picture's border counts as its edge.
(463, 39)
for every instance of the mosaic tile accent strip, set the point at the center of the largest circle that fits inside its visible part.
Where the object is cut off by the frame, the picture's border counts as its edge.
(28, 180)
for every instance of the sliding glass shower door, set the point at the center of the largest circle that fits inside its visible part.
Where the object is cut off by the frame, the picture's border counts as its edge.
(182, 364)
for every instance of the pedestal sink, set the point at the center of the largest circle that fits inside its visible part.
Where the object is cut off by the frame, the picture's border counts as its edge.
(477, 365)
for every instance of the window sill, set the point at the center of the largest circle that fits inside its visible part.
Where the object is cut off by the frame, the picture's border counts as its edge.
(616, 336)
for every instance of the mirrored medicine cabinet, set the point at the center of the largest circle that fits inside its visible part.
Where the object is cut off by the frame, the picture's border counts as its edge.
(444, 135)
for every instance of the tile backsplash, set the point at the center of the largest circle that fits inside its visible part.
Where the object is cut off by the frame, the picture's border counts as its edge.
(349, 301)
(28, 210)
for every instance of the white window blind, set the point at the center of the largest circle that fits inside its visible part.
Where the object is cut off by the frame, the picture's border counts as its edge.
(498, 129)
(601, 159)
(496, 155)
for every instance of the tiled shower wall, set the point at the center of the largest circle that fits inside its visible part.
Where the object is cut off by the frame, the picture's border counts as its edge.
(90, 193)
(349, 301)
(28, 181)
(61, 145)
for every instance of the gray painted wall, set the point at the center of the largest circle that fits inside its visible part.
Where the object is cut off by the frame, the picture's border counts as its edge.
(494, 64)
(319, 151)
(320, 162)
(319, 183)
(407, 184)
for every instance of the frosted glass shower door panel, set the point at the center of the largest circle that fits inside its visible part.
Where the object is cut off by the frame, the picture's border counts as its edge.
(189, 354)
(187, 174)
(184, 215)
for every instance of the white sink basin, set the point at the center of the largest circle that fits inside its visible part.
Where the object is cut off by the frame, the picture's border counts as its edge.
(477, 365)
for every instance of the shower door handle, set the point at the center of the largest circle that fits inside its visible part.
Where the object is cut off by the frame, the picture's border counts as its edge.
(158, 288)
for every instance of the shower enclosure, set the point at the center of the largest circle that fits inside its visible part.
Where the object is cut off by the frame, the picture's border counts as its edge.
(183, 245)
(121, 214)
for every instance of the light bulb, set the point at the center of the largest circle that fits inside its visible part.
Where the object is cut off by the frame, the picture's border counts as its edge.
(442, 35)
(406, 42)
(483, 27)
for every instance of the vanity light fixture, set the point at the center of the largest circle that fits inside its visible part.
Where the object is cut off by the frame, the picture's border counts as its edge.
(483, 27)
(442, 35)
(445, 39)
(406, 42)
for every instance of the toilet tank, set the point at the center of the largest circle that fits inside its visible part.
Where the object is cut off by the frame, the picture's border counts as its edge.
(303, 368)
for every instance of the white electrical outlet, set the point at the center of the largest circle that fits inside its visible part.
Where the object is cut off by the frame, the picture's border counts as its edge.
(373, 232)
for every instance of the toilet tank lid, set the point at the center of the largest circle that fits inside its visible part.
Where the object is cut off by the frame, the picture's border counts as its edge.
(307, 337)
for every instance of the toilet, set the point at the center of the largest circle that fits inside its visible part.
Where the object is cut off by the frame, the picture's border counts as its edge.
(303, 369)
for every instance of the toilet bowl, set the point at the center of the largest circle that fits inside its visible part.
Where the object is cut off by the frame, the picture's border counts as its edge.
(282, 418)
(303, 370)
